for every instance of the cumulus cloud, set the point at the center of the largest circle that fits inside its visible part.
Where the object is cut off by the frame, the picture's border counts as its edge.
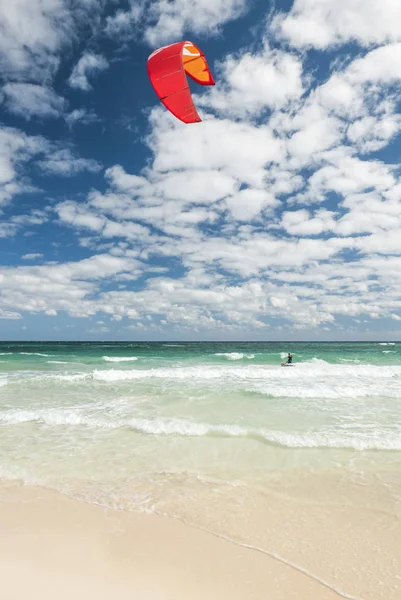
(161, 22)
(34, 34)
(65, 164)
(63, 286)
(31, 34)
(122, 23)
(32, 256)
(16, 149)
(253, 82)
(168, 20)
(322, 23)
(88, 65)
(82, 116)
(29, 100)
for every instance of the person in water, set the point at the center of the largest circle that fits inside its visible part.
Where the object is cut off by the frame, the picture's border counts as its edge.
(289, 360)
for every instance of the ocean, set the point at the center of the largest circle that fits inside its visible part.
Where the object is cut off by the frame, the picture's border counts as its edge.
(218, 435)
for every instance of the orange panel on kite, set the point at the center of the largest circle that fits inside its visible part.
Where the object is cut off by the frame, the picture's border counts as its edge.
(167, 69)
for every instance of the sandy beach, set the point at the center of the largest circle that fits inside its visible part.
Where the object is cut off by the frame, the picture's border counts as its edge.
(52, 546)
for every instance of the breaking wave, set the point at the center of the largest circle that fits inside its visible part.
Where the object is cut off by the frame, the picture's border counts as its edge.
(340, 438)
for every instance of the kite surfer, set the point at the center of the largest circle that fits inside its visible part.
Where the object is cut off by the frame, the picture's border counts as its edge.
(288, 362)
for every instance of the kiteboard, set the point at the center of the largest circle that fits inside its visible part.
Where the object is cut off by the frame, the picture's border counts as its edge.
(287, 364)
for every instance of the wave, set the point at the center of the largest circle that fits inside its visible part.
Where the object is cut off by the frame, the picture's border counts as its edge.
(340, 439)
(117, 359)
(34, 354)
(67, 378)
(58, 362)
(326, 390)
(302, 372)
(387, 344)
(235, 355)
(311, 379)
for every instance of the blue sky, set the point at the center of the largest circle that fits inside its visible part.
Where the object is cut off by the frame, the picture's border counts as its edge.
(277, 217)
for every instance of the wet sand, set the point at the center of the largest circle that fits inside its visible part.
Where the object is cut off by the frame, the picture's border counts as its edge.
(55, 547)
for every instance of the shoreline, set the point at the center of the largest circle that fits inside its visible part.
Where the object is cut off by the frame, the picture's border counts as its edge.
(53, 546)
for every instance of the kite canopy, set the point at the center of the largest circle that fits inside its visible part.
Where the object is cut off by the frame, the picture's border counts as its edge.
(167, 69)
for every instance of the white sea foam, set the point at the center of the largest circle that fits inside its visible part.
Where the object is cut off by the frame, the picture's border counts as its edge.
(235, 355)
(33, 354)
(117, 359)
(58, 362)
(304, 371)
(387, 344)
(58, 377)
(340, 438)
(313, 379)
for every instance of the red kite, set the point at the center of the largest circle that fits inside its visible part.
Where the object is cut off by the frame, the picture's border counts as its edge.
(167, 70)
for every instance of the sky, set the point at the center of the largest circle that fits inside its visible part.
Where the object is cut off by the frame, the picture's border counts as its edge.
(278, 217)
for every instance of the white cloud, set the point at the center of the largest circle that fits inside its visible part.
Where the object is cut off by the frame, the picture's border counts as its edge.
(251, 83)
(56, 287)
(32, 256)
(348, 174)
(79, 216)
(341, 96)
(122, 181)
(9, 228)
(83, 217)
(317, 132)
(301, 223)
(247, 204)
(197, 186)
(16, 148)
(65, 164)
(123, 22)
(167, 21)
(8, 314)
(33, 34)
(370, 134)
(80, 115)
(243, 151)
(322, 23)
(88, 65)
(29, 100)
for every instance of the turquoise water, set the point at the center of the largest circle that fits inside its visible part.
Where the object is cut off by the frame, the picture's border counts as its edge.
(337, 396)
(212, 433)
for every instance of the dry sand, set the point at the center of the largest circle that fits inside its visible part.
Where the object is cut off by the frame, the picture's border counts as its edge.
(52, 547)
